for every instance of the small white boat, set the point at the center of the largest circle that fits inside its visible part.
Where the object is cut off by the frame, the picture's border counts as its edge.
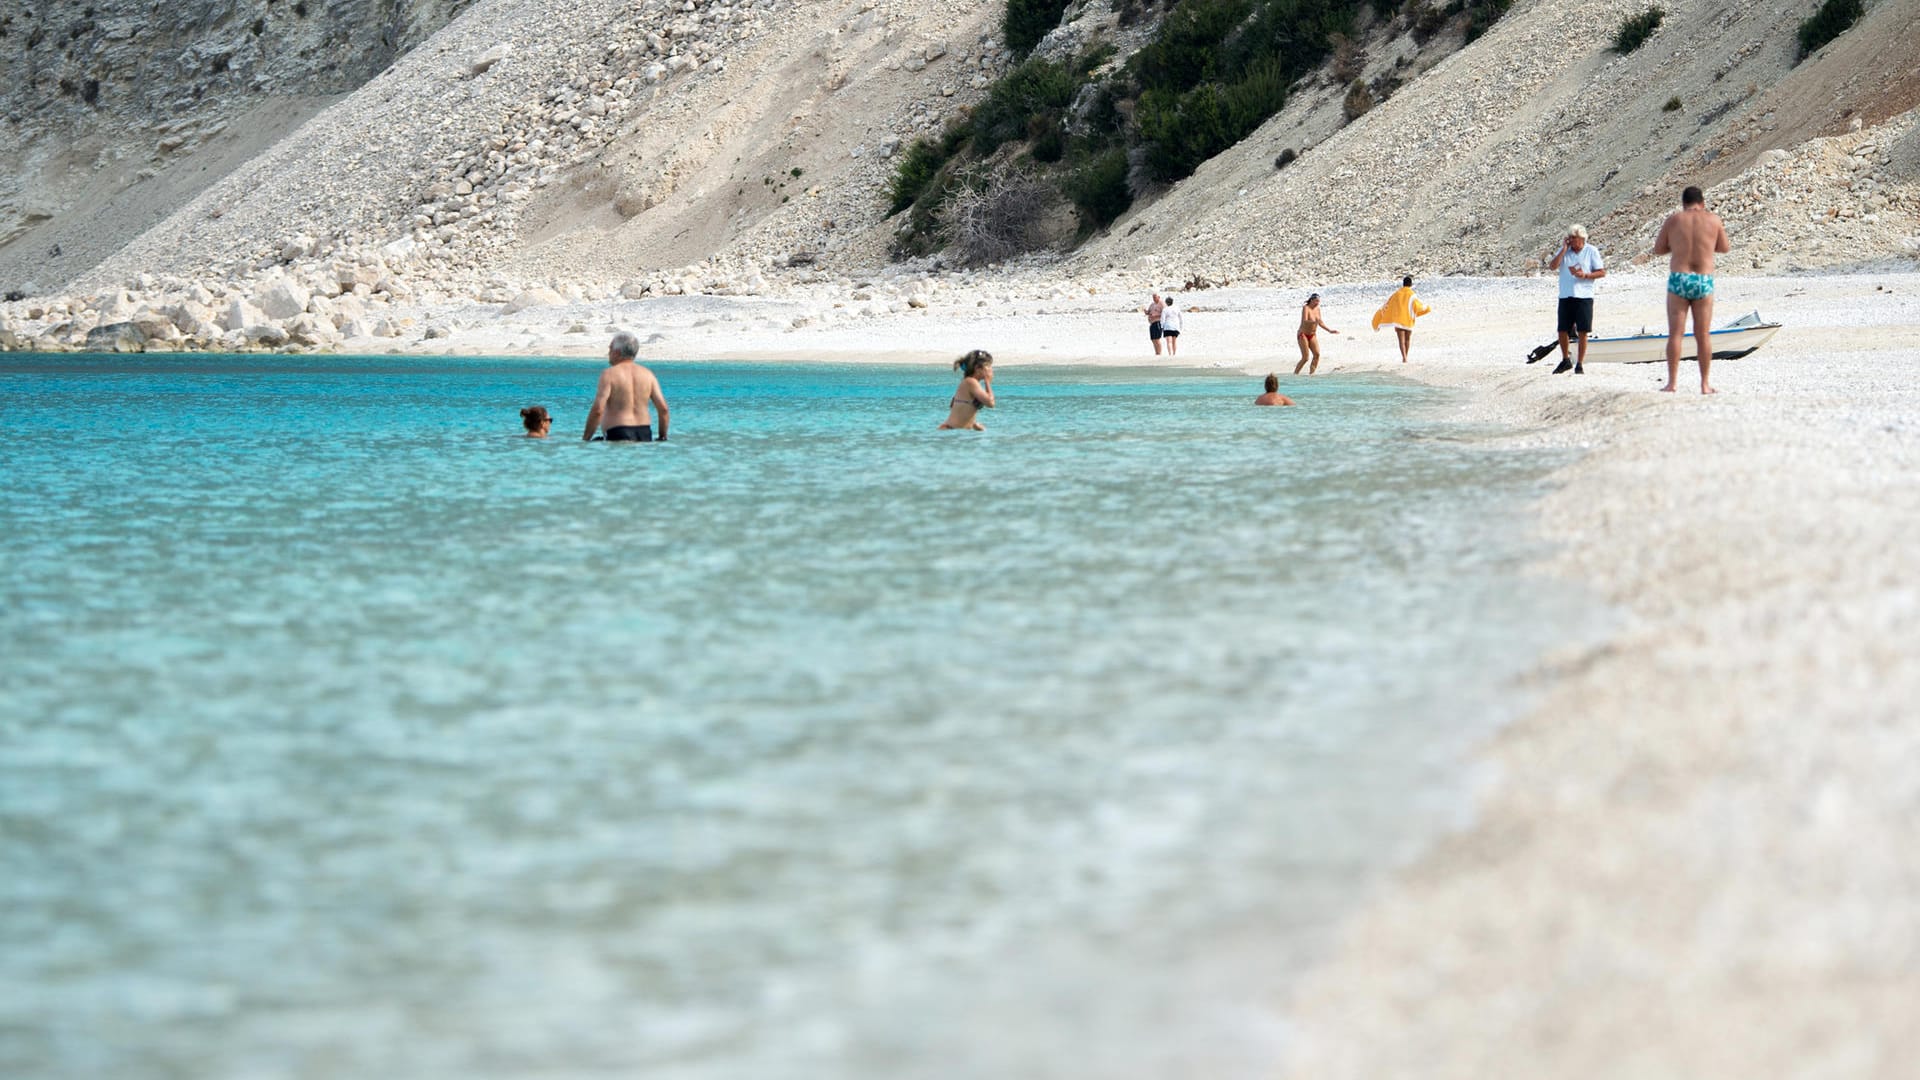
(1733, 340)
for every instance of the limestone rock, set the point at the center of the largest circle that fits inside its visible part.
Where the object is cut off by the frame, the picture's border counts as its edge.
(121, 337)
(118, 306)
(311, 330)
(268, 334)
(240, 315)
(532, 298)
(283, 300)
(485, 61)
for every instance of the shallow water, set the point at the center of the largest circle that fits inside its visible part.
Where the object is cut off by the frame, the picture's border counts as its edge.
(344, 734)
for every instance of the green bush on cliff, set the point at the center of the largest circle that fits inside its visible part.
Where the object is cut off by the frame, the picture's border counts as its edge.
(1213, 72)
(916, 170)
(1027, 21)
(1636, 29)
(1833, 18)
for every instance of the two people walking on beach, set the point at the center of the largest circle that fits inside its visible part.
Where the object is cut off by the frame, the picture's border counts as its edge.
(1690, 238)
(1580, 265)
(1399, 312)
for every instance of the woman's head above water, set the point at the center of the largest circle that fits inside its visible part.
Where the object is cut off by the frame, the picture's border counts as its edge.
(974, 363)
(536, 419)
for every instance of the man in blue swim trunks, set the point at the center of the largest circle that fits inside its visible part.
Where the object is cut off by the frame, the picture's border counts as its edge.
(1690, 239)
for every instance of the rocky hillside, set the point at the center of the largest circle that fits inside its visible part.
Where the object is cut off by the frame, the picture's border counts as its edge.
(1478, 165)
(530, 149)
(119, 111)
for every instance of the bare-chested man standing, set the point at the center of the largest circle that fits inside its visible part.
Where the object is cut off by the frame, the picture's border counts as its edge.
(1691, 238)
(626, 388)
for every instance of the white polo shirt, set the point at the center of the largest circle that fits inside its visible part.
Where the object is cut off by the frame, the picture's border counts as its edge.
(1588, 259)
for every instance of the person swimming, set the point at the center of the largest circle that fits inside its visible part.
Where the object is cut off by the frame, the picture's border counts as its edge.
(975, 392)
(1273, 396)
(538, 423)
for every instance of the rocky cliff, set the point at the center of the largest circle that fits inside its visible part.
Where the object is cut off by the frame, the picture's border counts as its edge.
(119, 111)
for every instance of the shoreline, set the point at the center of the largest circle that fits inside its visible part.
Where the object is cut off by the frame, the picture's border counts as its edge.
(1698, 859)
(1699, 854)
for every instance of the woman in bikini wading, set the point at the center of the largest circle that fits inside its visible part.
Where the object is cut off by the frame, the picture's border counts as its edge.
(1310, 322)
(975, 392)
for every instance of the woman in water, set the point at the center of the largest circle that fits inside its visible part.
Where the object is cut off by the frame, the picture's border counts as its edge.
(975, 393)
(537, 421)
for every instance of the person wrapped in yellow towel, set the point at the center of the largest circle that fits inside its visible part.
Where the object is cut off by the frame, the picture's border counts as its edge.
(1399, 311)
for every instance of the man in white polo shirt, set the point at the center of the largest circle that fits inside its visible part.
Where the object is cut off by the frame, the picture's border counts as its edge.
(1580, 266)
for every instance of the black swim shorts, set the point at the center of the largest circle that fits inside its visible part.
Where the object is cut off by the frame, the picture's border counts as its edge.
(631, 433)
(1154, 331)
(1576, 314)
(1170, 333)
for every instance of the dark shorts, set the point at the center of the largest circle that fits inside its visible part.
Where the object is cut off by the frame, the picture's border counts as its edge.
(1154, 331)
(1169, 333)
(632, 433)
(1576, 314)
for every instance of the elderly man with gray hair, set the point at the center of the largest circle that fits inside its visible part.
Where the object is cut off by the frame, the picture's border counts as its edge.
(626, 389)
(1580, 266)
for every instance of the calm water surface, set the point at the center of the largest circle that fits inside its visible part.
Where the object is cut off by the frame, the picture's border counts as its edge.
(343, 734)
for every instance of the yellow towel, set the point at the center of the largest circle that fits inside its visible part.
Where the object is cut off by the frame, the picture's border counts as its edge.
(1400, 309)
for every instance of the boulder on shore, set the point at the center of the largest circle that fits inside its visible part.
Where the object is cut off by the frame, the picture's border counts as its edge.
(122, 337)
(533, 298)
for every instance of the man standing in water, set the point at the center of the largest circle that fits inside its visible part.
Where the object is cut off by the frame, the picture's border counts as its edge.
(1691, 238)
(626, 389)
(1580, 266)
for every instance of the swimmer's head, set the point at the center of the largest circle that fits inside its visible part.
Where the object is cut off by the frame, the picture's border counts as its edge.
(535, 417)
(1273, 384)
(624, 346)
(974, 363)
(1693, 196)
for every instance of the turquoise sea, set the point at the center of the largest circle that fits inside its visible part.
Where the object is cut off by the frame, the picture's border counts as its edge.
(343, 733)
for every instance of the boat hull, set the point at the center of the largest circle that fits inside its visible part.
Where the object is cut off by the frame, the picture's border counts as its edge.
(1729, 343)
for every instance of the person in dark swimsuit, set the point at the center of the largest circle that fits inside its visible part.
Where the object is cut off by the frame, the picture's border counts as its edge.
(975, 392)
(626, 391)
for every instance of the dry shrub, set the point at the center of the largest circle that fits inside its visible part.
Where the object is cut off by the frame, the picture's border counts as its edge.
(1359, 100)
(994, 216)
(1348, 58)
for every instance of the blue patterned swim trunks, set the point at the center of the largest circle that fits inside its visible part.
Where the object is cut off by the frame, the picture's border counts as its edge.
(1690, 286)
